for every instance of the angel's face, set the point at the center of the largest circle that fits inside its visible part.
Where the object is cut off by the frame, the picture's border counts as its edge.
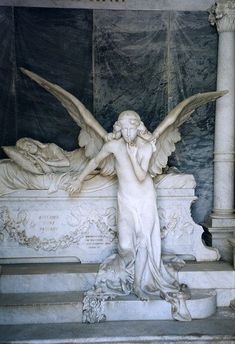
(129, 129)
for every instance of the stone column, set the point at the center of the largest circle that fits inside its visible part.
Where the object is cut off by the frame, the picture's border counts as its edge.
(222, 15)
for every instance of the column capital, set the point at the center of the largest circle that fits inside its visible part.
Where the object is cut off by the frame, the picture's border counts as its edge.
(222, 14)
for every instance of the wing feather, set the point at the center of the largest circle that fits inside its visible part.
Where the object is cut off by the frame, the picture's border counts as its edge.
(92, 135)
(80, 114)
(167, 133)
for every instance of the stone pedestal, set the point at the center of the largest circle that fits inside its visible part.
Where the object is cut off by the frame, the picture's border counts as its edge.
(223, 219)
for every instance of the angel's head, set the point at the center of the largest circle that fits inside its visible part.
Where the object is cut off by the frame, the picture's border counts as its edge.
(129, 126)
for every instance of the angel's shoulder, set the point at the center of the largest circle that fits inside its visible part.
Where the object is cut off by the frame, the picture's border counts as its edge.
(147, 146)
(112, 145)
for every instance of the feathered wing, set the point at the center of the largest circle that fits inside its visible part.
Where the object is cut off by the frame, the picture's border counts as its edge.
(167, 133)
(92, 134)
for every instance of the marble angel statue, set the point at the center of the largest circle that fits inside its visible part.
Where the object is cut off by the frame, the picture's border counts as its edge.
(136, 156)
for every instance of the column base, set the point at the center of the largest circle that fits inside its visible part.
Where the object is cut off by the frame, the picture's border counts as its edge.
(222, 228)
(222, 221)
(220, 241)
(224, 216)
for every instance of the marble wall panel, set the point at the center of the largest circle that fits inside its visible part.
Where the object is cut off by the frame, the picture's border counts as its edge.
(56, 44)
(192, 65)
(151, 61)
(130, 54)
(8, 131)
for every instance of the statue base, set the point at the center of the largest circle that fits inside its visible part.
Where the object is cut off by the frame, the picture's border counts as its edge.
(55, 293)
(67, 307)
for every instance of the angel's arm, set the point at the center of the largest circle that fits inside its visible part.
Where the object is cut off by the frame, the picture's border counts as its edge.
(140, 168)
(91, 166)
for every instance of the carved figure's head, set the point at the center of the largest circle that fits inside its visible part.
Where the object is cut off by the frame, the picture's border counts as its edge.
(129, 126)
(29, 145)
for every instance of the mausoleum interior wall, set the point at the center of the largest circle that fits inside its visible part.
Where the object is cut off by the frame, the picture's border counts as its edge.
(147, 61)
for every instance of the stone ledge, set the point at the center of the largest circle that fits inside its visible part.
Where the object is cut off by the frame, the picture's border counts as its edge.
(20, 278)
(217, 329)
(67, 307)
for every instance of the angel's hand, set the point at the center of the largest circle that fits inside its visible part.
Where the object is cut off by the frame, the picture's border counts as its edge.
(131, 150)
(109, 137)
(75, 187)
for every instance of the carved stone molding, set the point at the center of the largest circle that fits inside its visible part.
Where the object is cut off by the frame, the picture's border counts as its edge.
(222, 14)
(93, 307)
(15, 225)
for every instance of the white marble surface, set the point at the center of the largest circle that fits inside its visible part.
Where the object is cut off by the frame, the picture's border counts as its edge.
(67, 307)
(81, 277)
(224, 296)
(61, 228)
(58, 226)
(220, 238)
(41, 308)
(201, 305)
(219, 328)
(224, 138)
(223, 218)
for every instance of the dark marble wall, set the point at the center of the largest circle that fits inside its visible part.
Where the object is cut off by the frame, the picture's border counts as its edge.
(56, 44)
(193, 64)
(8, 126)
(149, 61)
(111, 60)
(130, 51)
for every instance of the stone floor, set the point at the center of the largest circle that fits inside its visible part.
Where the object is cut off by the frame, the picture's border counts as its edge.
(220, 328)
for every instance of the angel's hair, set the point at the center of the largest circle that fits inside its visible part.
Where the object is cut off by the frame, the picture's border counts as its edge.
(25, 140)
(135, 119)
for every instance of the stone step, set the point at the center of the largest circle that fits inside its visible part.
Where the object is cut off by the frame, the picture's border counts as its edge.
(65, 277)
(48, 277)
(33, 308)
(219, 328)
(216, 275)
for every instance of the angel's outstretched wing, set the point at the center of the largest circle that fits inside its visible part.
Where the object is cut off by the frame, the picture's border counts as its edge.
(167, 133)
(92, 134)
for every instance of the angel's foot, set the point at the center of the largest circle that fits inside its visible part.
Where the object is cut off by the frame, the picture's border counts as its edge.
(140, 294)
